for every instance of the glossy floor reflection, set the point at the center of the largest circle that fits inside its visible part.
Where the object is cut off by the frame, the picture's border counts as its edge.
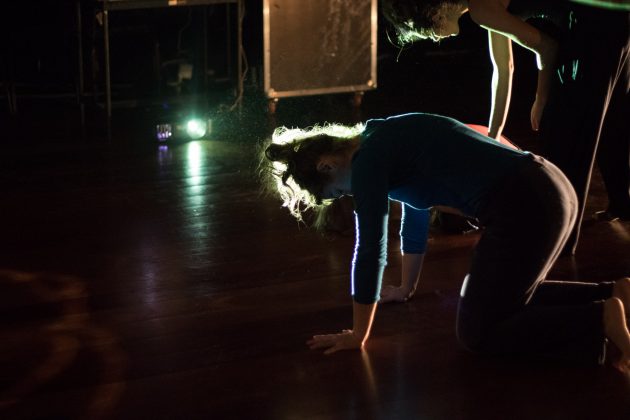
(157, 282)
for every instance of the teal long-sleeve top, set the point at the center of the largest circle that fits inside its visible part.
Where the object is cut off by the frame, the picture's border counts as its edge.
(420, 160)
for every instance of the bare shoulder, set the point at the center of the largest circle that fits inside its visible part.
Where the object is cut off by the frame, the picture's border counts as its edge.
(484, 12)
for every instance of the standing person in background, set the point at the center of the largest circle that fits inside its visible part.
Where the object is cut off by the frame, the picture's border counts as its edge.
(582, 101)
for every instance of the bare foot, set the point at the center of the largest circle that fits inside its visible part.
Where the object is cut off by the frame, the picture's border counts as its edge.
(617, 331)
(621, 290)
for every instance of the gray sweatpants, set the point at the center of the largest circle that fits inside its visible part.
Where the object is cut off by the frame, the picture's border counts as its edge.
(507, 306)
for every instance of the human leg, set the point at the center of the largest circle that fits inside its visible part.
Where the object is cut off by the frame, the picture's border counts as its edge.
(614, 151)
(572, 123)
(506, 308)
(526, 226)
(550, 292)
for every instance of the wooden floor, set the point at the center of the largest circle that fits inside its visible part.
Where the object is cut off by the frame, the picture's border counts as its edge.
(156, 282)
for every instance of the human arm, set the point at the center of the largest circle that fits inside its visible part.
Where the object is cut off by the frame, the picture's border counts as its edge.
(410, 276)
(369, 188)
(546, 63)
(368, 265)
(502, 70)
(493, 15)
(414, 231)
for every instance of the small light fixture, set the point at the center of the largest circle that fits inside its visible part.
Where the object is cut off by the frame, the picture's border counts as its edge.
(193, 128)
(164, 132)
(196, 128)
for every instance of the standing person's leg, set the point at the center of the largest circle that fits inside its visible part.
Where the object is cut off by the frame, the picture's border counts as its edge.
(574, 116)
(614, 151)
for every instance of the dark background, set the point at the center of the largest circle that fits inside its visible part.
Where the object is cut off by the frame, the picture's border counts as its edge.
(39, 56)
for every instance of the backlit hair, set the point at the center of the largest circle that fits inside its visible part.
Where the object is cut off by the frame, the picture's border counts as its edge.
(414, 20)
(288, 164)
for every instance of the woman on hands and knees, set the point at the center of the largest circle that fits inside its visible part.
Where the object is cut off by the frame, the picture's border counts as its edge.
(525, 203)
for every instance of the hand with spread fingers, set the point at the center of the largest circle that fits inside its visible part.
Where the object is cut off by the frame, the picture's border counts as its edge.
(346, 340)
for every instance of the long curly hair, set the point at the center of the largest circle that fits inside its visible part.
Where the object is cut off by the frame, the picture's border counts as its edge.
(413, 20)
(288, 165)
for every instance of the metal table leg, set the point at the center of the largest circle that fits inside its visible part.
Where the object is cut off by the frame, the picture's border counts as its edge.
(108, 87)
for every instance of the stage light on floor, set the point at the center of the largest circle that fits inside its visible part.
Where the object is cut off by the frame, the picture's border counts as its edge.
(164, 131)
(189, 129)
(196, 128)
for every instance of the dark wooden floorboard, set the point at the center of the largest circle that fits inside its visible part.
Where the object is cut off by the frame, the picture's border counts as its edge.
(159, 283)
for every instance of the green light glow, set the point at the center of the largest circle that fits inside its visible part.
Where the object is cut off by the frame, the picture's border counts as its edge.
(607, 4)
(194, 175)
(196, 128)
(195, 156)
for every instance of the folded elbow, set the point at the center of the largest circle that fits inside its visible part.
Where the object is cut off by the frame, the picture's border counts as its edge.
(510, 67)
(504, 69)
